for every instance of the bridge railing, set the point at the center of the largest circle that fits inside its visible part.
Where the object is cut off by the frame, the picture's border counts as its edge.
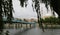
(16, 25)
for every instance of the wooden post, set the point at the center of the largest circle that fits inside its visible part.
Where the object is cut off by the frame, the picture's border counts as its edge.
(9, 26)
(16, 26)
(34, 25)
(21, 25)
(30, 25)
(26, 25)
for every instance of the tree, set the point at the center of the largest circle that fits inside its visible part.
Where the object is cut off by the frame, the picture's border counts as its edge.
(36, 7)
(52, 21)
(5, 10)
(7, 6)
(54, 5)
(1, 23)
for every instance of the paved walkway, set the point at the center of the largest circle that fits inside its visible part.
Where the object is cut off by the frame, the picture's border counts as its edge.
(34, 31)
(37, 31)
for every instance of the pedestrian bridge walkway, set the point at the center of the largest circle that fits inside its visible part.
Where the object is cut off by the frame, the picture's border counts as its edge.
(29, 31)
(34, 31)
(17, 24)
(38, 31)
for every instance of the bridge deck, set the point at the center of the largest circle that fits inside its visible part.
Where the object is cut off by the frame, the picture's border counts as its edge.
(35, 31)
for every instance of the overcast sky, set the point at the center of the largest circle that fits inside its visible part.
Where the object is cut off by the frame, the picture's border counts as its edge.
(27, 12)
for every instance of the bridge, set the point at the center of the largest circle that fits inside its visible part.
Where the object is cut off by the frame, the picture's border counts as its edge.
(30, 31)
(18, 23)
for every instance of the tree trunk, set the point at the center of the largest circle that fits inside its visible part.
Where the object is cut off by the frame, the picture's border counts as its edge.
(1, 23)
(1, 20)
(40, 22)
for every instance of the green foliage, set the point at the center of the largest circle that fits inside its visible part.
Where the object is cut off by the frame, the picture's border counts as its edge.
(1, 11)
(46, 2)
(52, 20)
(55, 4)
(5, 10)
(22, 3)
